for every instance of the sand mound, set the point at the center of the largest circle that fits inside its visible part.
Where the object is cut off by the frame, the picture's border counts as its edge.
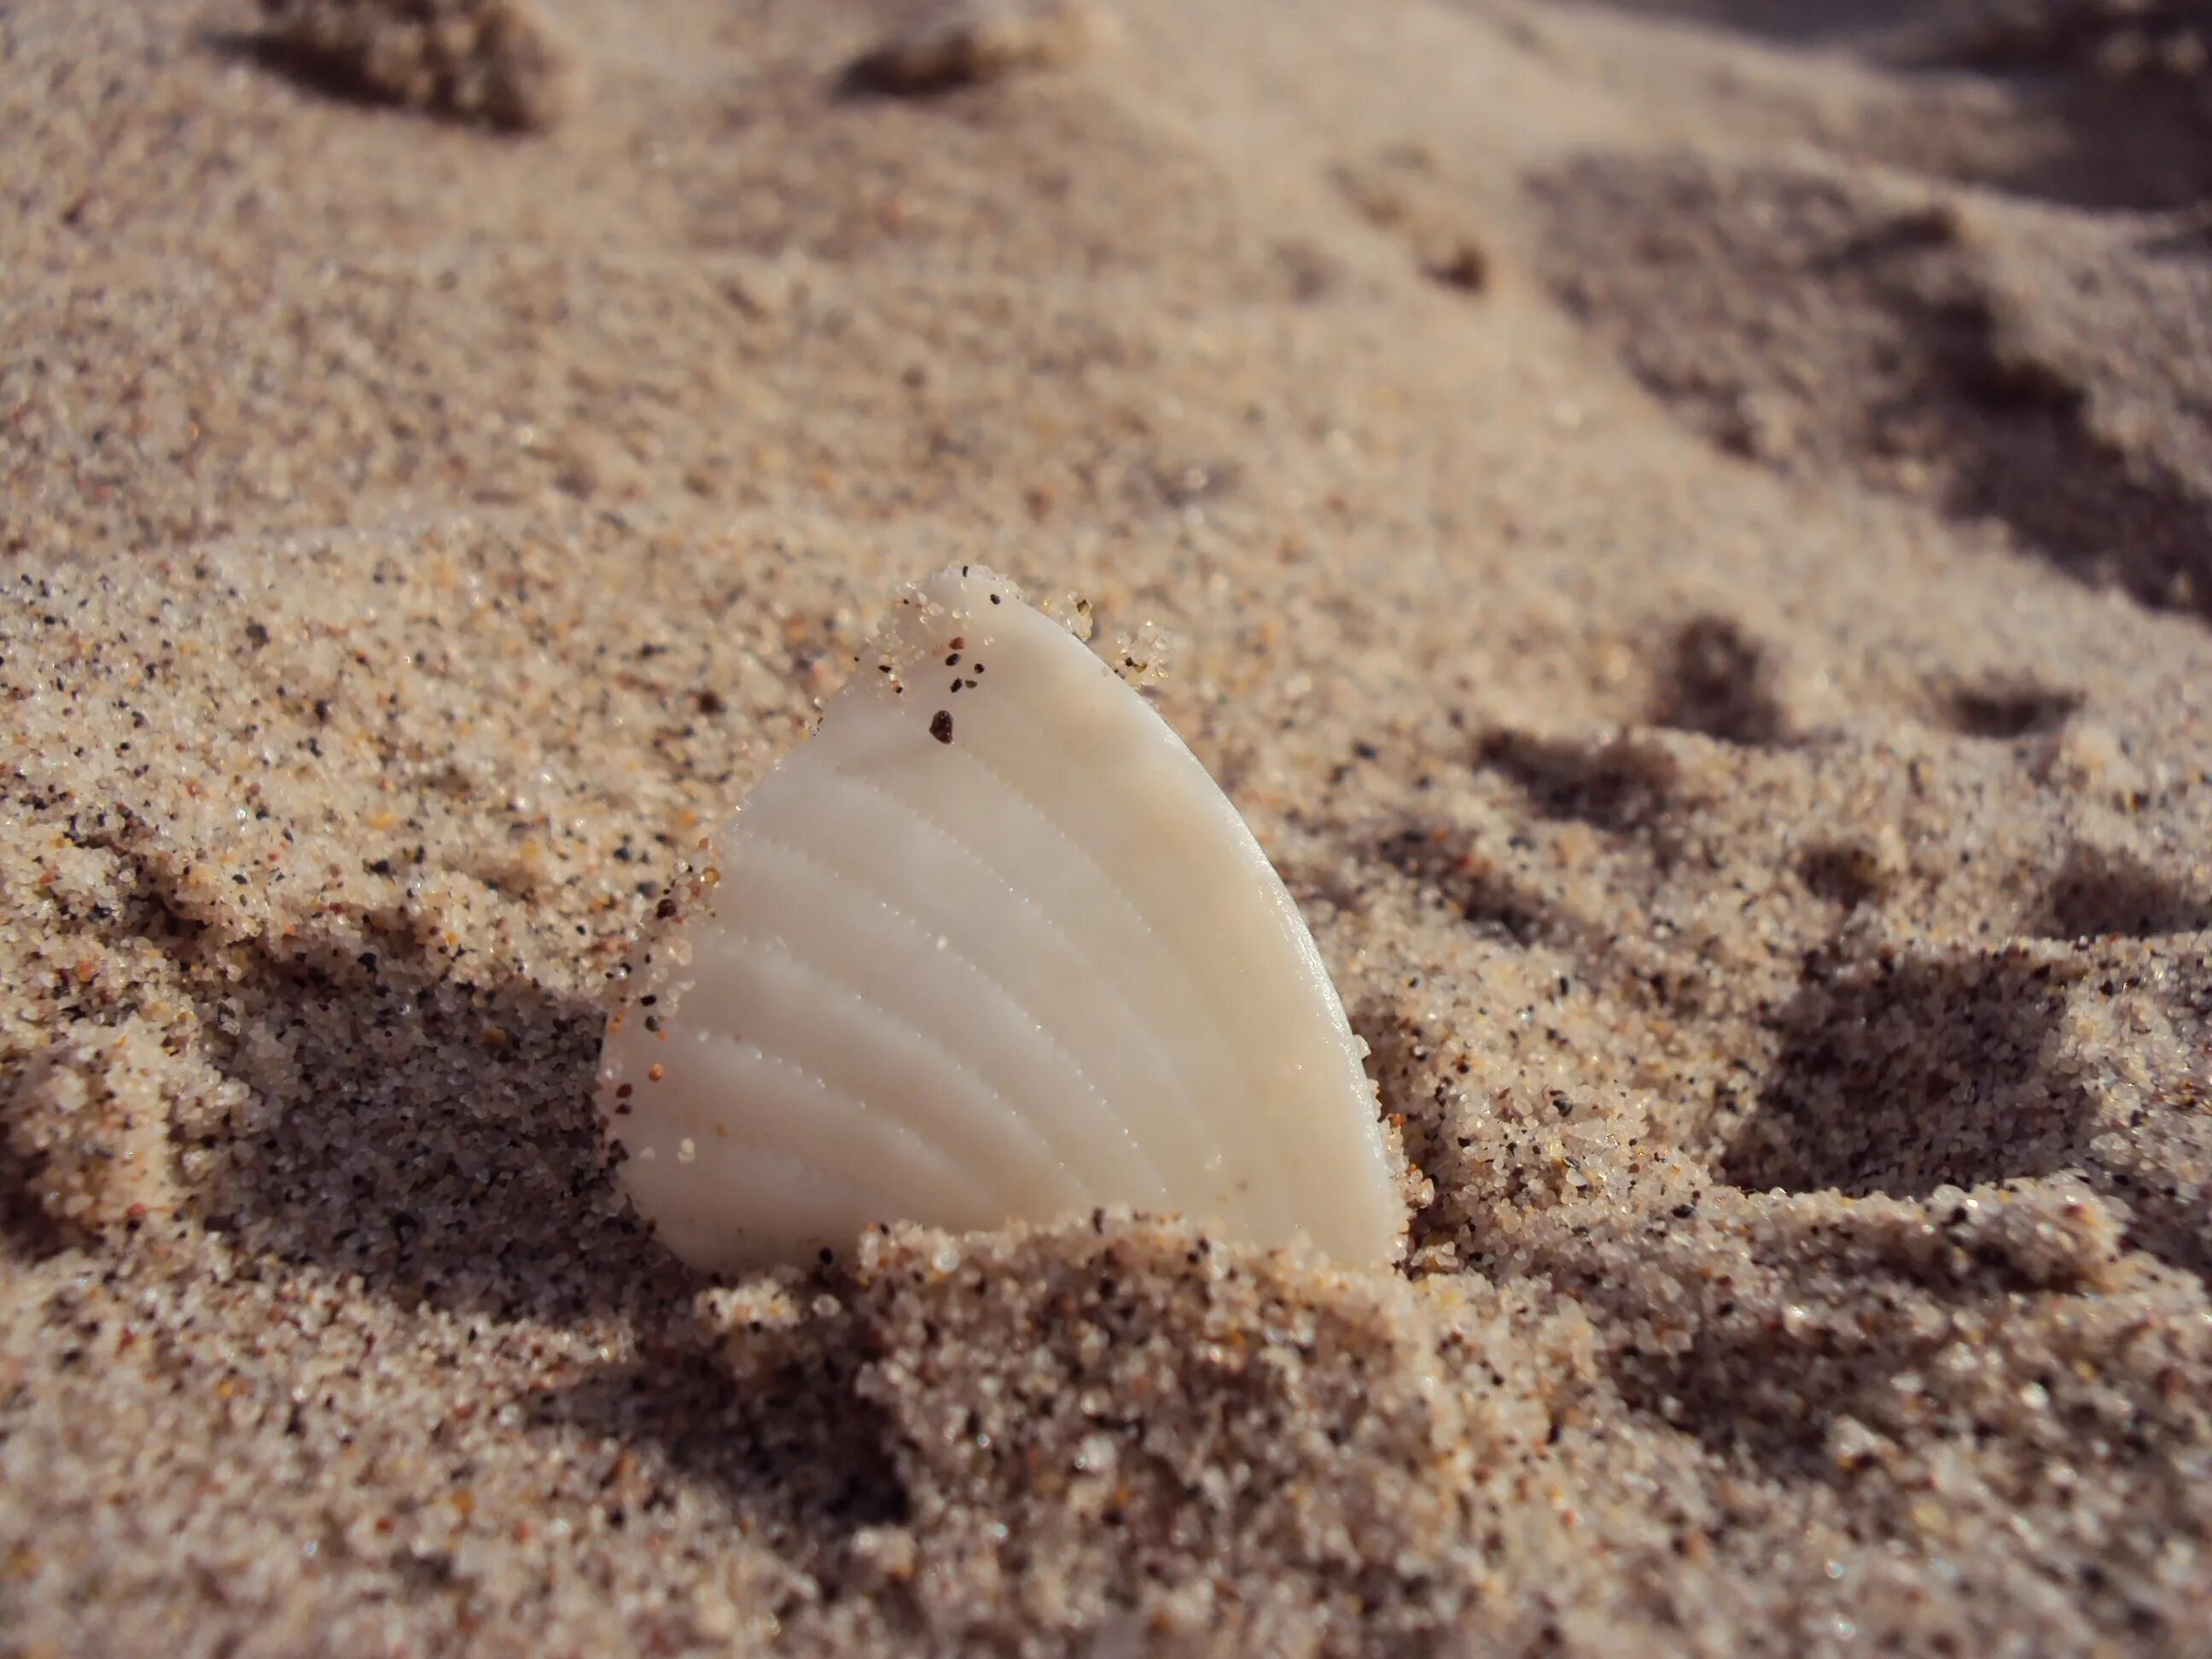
(494, 61)
(966, 43)
(1262, 1440)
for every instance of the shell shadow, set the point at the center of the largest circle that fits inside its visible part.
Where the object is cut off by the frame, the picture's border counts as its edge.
(428, 1129)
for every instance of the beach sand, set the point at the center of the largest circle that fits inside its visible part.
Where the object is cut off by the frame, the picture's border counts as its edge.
(1686, 529)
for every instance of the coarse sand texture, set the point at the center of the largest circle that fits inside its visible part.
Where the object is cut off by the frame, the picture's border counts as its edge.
(1685, 528)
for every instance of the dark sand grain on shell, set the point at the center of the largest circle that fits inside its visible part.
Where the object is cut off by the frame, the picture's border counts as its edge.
(1726, 681)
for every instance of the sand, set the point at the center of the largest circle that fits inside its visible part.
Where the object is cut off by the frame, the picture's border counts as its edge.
(1685, 528)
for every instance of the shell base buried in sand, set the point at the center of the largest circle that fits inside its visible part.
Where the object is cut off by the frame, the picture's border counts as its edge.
(991, 946)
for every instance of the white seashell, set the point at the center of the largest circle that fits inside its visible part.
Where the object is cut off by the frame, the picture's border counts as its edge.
(999, 952)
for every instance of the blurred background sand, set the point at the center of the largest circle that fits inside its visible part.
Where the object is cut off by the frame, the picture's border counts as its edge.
(1687, 530)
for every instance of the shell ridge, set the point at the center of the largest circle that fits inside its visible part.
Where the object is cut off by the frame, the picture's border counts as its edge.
(782, 948)
(1283, 918)
(1140, 1027)
(1215, 1151)
(950, 951)
(830, 1189)
(915, 1140)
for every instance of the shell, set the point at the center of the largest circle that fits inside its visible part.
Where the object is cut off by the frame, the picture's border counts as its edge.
(989, 945)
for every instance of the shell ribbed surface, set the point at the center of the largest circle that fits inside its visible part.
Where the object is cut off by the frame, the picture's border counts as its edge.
(974, 955)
